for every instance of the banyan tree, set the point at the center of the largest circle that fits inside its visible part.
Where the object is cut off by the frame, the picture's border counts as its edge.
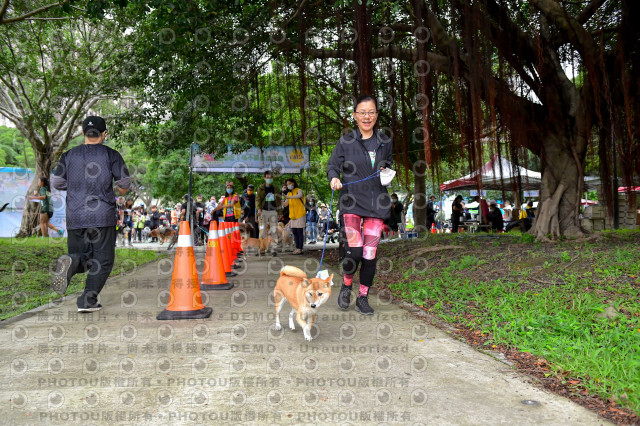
(558, 79)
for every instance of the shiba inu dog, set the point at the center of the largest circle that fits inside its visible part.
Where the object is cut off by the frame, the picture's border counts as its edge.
(304, 295)
(286, 236)
(261, 244)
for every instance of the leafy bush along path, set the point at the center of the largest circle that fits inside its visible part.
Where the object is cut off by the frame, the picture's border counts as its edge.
(26, 265)
(567, 313)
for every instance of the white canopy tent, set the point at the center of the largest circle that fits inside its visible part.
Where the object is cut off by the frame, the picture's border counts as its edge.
(498, 173)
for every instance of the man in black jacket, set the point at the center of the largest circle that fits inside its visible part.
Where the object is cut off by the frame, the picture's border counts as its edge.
(248, 203)
(396, 213)
(154, 218)
(88, 172)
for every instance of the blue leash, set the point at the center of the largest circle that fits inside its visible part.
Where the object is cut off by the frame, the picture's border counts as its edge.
(326, 231)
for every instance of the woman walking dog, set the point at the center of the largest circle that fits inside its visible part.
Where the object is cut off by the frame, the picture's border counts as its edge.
(364, 201)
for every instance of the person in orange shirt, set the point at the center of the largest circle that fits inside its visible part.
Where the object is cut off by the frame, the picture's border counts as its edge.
(175, 214)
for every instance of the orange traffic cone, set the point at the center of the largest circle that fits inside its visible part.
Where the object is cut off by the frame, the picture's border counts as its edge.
(214, 277)
(238, 236)
(226, 250)
(433, 228)
(185, 300)
(232, 243)
(237, 245)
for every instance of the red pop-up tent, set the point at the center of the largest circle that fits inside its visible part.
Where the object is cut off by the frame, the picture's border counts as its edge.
(497, 174)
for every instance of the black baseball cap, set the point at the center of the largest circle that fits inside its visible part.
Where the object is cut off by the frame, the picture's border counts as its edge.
(93, 126)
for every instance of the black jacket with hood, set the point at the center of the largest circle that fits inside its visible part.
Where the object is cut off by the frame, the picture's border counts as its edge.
(350, 159)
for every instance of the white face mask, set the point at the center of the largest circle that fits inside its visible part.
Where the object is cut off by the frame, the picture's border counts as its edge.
(290, 187)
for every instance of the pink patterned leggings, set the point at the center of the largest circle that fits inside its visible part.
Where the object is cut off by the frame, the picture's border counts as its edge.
(361, 248)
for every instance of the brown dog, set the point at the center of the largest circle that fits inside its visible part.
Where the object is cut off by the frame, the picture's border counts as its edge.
(260, 244)
(304, 295)
(286, 236)
(166, 235)
(245, 228)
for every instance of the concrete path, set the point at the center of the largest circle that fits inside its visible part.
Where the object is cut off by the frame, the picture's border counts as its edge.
(121, 366)
(201, 249)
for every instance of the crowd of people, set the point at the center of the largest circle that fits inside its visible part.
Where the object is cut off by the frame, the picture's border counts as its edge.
(490, 216)
(268, 210)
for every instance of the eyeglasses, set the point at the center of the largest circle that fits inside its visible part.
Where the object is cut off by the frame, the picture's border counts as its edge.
(366, 113)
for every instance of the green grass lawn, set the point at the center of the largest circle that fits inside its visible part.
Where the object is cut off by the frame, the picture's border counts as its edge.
(26, 266)
(545, 299)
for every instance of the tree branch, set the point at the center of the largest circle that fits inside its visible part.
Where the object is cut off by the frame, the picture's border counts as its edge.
(28, 14)
(575, 32)
(11, 116)
(440, 62)
(295, 14)
(513, 44)
(589, 11)
(4, 9)
(63, 116)
(512, 107)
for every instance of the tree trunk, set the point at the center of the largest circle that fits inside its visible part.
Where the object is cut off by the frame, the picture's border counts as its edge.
(362, 48)
(560, 196)
(30, 217)
(420, 197)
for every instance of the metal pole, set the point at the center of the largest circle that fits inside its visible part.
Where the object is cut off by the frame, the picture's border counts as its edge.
(189, 198)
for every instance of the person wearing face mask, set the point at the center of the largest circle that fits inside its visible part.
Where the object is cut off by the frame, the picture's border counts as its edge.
(294, 199)
(364, 203)
(312, 221)
(87, 172)
(396, 213)
(248, 202)
(269, 207)
(229, 204)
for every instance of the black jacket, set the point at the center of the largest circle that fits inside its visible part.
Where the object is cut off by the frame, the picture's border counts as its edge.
(155, 219)
(248, 203)
(396, 213)
(431, 210)
(350, 162)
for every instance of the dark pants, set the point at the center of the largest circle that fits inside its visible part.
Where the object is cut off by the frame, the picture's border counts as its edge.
(139, 234)
(200, 232)
(298, 237)
(455, 223)
(431, 219)
(92, 250)
(254, 226)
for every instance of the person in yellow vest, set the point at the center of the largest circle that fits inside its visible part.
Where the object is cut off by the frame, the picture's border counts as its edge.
(294, 199)
(230, 205)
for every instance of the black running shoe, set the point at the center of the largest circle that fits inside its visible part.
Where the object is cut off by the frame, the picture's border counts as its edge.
(62, 275)
(92, 308)
(362, 305)
(344, 298)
